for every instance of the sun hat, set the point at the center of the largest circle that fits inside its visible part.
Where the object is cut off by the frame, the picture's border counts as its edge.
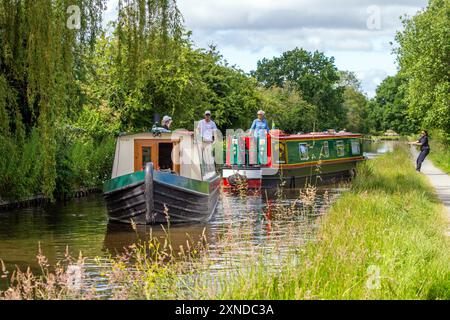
(261, 112)
(207, 112)
(166, 119)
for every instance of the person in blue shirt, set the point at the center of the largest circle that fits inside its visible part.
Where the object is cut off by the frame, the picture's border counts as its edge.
(259, 125)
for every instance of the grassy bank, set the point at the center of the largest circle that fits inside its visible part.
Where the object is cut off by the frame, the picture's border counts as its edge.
(384, 239)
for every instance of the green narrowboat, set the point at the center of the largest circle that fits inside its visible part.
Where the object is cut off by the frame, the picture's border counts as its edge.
(279, 159)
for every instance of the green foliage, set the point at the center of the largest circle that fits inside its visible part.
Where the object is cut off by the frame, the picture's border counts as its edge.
(286, 108)
(316, 78)
(231, 95)
(440, 150)
(355, 103)
(20, 166)
(423, 56)
(83, 161)
(389, 111)
(357, 108)
(40, 66)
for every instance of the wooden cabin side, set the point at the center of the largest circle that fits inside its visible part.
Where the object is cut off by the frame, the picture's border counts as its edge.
(167, 151)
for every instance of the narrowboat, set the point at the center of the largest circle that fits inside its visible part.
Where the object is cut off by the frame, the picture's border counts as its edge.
(160, 177)
(279, 159)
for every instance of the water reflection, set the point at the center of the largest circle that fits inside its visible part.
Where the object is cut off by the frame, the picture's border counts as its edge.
(376, 148)
(120, 236)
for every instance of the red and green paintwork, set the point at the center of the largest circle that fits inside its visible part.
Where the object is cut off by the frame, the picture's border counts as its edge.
(294, 151)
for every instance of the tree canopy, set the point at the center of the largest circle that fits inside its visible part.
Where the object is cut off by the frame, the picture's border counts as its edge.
(388, 110)
(424, 59)
(316, 78)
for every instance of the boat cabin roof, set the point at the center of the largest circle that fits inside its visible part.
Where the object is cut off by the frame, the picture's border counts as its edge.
(315, 135)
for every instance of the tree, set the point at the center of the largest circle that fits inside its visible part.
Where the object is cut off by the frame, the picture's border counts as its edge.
(287, 110)
(388, 108)
(356, 106)
(40, 69)
(315, 77)
(424, 59)
(355, 103)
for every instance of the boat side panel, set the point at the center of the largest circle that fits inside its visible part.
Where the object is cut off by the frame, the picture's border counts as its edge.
(127, 204)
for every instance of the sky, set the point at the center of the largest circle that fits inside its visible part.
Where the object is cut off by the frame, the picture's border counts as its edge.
(357, 33)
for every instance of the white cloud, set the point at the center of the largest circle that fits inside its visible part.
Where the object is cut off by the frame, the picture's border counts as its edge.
(246, 31)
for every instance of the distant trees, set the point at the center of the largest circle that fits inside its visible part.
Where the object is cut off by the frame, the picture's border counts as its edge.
(286, 108)
(356, 104)
(315, 77)
(388, 110)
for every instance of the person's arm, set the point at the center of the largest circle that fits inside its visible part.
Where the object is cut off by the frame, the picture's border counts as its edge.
(267, 125)
(416, 143)
(253, 127)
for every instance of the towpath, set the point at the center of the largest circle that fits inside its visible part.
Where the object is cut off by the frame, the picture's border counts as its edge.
(438, 179)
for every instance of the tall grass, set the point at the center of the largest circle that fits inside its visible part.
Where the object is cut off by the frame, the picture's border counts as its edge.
(440, 151)
(384, 239)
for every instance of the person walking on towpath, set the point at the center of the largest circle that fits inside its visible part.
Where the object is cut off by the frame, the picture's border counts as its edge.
(424, 149)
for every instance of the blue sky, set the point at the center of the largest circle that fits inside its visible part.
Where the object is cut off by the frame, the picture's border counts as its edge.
(356, 32)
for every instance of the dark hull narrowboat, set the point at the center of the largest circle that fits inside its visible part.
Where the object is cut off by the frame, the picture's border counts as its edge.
(290, 160)
(166, 191)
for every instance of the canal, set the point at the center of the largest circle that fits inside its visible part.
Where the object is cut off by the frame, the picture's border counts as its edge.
(248, 222)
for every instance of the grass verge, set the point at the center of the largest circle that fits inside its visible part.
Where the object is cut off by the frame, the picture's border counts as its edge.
(440, 154)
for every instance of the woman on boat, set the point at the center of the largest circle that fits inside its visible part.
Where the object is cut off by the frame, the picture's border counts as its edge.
(424, 148)
(259, 125)
(166, 122)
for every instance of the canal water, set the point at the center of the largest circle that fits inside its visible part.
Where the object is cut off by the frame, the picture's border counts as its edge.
(248, 222)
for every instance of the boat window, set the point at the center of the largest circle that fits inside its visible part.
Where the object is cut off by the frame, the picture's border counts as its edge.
(165, 156)
(303, 151)
(325, 149)
(340, 148)
(355, 147)
(146, 155)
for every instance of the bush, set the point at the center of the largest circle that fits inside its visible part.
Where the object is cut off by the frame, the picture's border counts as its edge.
(20, 166)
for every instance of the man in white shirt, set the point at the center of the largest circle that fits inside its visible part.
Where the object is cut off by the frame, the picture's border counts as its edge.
(206, 129)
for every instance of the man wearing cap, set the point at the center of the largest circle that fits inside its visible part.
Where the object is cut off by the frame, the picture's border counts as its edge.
(166, 122)
(206, 128)
(259, 125)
